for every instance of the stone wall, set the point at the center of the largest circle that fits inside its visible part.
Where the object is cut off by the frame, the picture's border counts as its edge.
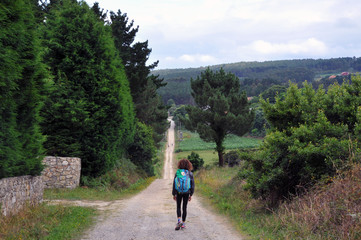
(61, 172)
(16, 192)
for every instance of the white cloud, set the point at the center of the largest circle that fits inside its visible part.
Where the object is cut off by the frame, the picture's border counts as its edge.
(224, 31)
(197, 58)
(192, 60)
(310, 46)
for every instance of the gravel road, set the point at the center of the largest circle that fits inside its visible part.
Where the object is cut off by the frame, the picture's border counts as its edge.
(152, 214)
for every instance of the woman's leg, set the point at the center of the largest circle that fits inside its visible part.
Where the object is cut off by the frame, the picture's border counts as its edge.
(179, 200)
(185, 202)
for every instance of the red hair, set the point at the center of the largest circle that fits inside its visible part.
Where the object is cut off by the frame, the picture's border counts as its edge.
(185, 164)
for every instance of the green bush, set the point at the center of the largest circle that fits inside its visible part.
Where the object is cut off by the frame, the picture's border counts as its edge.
(306, 142)
(232, 158)
(196, 161)
(142, 151)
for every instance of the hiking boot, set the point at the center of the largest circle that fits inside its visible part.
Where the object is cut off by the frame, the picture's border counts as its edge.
(178, 226)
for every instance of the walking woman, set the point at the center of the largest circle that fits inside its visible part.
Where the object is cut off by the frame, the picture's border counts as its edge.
(183, 189)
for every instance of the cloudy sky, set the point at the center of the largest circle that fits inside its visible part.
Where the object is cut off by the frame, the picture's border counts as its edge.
(194, 33)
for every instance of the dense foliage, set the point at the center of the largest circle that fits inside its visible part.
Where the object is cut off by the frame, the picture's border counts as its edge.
(89, 112)
(312, 136)
(220, 108)
(142, 151)
(21, 96)
(64, 90)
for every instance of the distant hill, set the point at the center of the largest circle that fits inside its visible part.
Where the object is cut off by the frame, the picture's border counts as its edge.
(256, 77)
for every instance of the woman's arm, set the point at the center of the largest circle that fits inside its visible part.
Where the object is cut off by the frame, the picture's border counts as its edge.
(192, 184)
(174, 192)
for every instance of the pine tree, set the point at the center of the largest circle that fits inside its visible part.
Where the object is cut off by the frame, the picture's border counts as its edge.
(220, 108)
(148, 105)
(90, 111)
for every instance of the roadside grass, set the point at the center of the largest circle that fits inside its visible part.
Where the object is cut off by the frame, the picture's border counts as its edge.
(104, 194)
(158, 165)
(192, 141)
(47, 222)
(329, 211)
(224, 191)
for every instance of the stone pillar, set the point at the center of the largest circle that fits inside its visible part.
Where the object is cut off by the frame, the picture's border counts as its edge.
(61, 172)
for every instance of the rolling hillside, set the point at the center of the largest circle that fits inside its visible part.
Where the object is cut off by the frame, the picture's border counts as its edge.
(255, 77)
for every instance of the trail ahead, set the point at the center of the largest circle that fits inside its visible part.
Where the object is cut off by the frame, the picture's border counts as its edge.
(152, 213)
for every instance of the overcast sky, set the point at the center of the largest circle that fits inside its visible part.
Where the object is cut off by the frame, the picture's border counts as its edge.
(194, 33)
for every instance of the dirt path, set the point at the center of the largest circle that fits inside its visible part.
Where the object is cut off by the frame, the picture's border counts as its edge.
(152, 215)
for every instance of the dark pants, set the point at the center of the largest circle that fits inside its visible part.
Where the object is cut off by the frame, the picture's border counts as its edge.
(184, 198)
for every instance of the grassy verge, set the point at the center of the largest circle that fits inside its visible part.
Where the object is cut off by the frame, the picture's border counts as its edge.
(105, 194)
(224, 192)
(158, 166)
(47, 222)
(329, 211)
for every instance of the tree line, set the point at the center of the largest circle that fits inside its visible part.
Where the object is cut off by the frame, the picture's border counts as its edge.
(74, 83)
(256, 77)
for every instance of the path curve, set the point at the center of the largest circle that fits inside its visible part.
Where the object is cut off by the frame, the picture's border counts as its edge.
(152, 214)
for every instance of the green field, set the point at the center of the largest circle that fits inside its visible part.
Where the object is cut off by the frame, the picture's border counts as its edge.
(191, 142)
(210, 157)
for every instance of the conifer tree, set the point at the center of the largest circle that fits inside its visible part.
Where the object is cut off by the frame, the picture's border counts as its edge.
(21, 84)
(143, 85)
(220, 108)
(90, 111)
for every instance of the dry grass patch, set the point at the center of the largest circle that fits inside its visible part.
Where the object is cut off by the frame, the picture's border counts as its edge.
(331, 211)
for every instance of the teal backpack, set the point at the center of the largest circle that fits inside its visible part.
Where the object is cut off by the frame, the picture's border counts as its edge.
(182, 181)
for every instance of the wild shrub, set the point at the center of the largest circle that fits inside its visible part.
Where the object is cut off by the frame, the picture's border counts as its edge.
(196, 161)
(120, 178)
(310, 138)
(232, 158)
(142, 151)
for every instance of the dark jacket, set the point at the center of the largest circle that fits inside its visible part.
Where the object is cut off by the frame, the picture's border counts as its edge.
(191, 190)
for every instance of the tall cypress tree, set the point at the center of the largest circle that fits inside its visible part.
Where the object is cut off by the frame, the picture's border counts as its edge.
(21, 83)
(149, 107)
(90, 111)
(221, 108)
